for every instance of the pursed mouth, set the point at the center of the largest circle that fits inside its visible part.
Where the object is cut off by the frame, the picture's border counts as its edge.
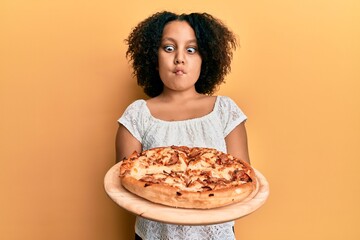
(179, 72)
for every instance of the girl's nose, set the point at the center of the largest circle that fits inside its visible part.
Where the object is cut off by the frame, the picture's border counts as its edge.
(179, 57)
(179, 60)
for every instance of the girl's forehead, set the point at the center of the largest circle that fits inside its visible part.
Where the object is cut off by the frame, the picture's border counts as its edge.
(178, 30)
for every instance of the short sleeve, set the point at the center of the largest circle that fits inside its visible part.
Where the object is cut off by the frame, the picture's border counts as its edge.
(230, 114)
(132, 119)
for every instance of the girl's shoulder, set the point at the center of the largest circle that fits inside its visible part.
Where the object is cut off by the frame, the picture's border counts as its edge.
(224, 102)
(137, 104)
(225, 106)
(136, 107)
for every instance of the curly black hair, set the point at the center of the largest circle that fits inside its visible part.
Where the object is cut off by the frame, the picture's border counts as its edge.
(215, 45)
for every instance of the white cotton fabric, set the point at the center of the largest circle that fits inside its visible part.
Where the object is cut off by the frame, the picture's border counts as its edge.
(206, 131)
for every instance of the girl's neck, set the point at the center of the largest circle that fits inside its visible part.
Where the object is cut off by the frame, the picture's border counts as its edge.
(178, 107)
(176, 96)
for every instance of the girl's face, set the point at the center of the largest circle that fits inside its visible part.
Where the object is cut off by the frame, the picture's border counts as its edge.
(179, 59)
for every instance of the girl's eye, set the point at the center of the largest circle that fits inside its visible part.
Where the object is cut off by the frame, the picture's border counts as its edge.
(169, 48)
(191, 50)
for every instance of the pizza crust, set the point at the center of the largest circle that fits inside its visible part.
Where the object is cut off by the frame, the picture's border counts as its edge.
(175, 193)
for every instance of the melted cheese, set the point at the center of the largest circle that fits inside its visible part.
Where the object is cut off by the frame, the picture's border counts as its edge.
(224, 172)
(197, 171)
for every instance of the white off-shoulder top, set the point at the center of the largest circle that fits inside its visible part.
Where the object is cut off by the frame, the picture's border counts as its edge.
(206, 131)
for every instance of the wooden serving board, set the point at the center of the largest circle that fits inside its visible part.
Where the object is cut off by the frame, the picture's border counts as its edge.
(182, 216)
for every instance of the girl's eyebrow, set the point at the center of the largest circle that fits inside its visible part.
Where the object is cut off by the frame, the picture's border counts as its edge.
(173, 40)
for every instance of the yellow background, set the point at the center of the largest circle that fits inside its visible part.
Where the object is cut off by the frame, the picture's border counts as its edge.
(65, 81)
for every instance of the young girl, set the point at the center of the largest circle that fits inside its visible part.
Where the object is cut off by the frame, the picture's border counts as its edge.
(180, 60)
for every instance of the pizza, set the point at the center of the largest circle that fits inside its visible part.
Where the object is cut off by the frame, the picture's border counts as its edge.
(179, 176)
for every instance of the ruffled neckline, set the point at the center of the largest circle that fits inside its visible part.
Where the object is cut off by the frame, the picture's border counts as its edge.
(201, 118)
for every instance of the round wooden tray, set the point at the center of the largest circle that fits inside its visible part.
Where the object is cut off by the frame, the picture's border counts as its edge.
(182, 216)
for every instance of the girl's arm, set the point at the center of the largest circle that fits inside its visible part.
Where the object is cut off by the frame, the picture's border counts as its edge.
(236, 143)
(126, 144)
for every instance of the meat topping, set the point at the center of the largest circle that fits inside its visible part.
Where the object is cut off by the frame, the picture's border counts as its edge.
(173, 159)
